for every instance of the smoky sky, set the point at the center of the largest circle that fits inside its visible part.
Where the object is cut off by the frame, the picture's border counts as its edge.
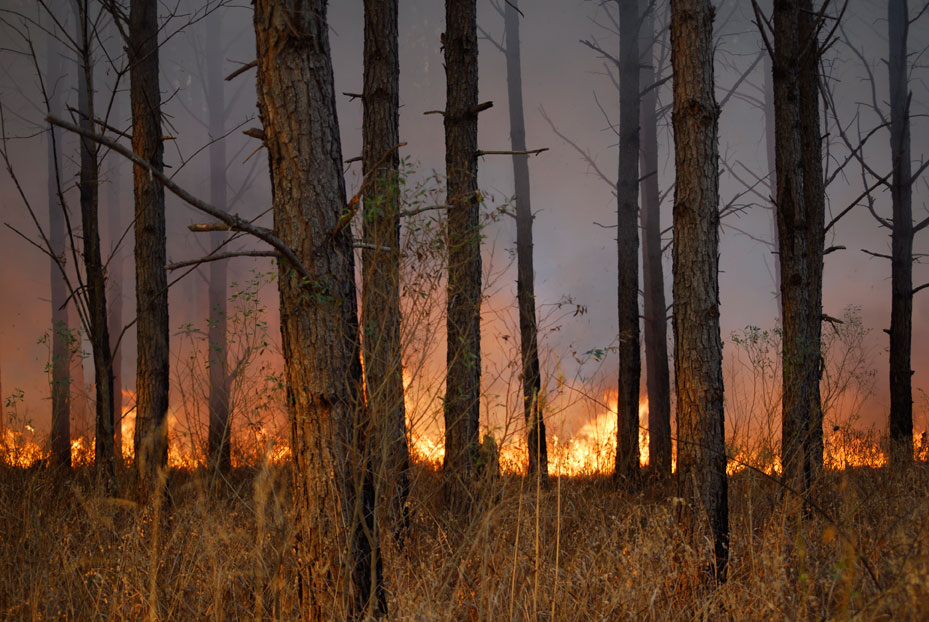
(575, 248)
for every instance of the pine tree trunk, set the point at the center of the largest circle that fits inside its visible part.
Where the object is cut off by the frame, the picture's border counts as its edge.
(151, 435)
(901, 192)
(61, 334)
(800, 215)
(627, 238)
(338, 568)
(463, 376)
(219, 431)
(701, 464)
(380, 303)
(98, 330)
(525, 280)
(115, 298)
(658, 381)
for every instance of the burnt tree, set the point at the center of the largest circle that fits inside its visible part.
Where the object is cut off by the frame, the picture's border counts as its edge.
(525, 280)
(337, 567)
(654, 307)
(627, 240)
(901, 192)
(151, 438)
(60, 333)
(380, 301)
(701, 463)
(218, 435)
(463, 323)
(96, 320)
(800, 225)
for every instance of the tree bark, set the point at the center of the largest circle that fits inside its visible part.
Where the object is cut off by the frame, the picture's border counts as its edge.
(219, 432)
(901, 192)
(525, 280)
(380, 303)
(800, 215)
(98, 330)
(701, 464)
(338, 569)
(627, 239)
(151, 435)
(61, 333)
(463, 375)
(657, 378)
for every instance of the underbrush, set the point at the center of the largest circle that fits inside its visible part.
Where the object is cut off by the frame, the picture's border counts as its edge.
(577, 549)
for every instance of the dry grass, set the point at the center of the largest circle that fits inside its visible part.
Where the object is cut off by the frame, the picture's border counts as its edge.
(578, 550)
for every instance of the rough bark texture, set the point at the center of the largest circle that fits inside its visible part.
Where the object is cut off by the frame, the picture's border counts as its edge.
(525, 280)
(701, 463)
(98, 329)
(337, 567)
(901, 192)
(218, 443)
(800, 215)
(463, 376)
(151, 438)
(380, 303)
(657, 377)
(627, 239)
(61, 334)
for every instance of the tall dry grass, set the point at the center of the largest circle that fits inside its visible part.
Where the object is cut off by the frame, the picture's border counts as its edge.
(577, 550)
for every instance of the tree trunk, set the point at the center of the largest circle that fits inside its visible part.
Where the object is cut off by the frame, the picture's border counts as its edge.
(61, 333)
(901, 192)
(657, 378)
(463, 376)
(525, 280)
(800, 205)
(219, 451)
(814, 190)
(771, 154)
(380, 303)
(627, 238)
(338, 568)
(701, 464)
(151, 435)
(98, 331)
(115, 297)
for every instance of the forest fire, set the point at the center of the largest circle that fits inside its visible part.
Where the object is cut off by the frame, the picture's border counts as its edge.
(591, 450)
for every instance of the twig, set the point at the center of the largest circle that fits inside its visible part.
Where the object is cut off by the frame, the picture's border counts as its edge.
(220, 257)
(241, 70)
(480, 153)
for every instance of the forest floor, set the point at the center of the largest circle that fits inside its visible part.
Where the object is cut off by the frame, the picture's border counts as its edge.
(577, 549)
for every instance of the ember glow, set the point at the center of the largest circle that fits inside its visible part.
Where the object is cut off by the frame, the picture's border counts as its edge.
(591, 450)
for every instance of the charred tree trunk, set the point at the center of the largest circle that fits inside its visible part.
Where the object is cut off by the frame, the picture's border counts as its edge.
(463, 376)
(814, 190)
(657, 378)
(151, 437)
(115, 298)
(525, 280)
(98, 330)
(219, 450)
(338, 568)
(61, 334)
(701, 464)
(380, 303)
(901, 192)
(800, 205)
(627, 238)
